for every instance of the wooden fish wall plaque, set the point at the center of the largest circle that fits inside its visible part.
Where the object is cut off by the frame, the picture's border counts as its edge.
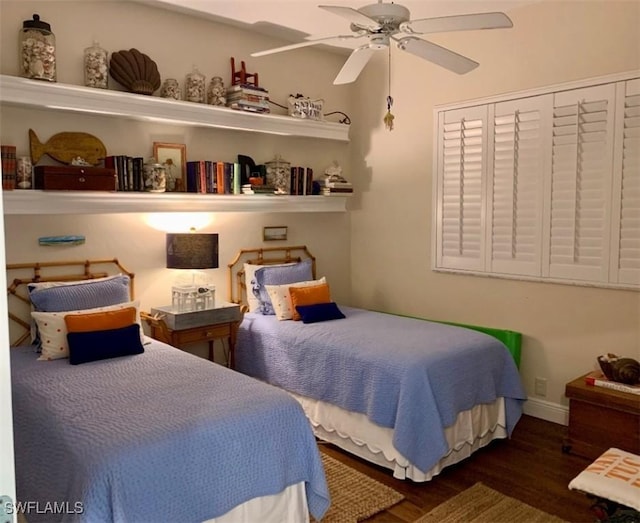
(66, 147)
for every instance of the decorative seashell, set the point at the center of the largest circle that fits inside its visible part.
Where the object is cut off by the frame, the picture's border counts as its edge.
(622, 370)
(605, 364)
(626, 370)
(135, 71)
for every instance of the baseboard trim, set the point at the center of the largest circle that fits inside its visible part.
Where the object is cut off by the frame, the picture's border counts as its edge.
(547, 410)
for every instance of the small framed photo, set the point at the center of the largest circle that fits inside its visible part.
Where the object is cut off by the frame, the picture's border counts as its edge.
(274, 233)
(174, 158)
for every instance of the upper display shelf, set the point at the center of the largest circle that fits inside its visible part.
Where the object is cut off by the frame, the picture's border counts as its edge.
(92, 202)
(64, 97)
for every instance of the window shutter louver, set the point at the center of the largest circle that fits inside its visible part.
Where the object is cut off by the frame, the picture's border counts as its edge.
(582, 164)
(626, 222)
(520, 138)
(461, 179)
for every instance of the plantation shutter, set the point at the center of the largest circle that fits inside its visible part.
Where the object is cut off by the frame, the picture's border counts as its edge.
(582, 165)
(521, 146)
(625, 265)
(460, 189)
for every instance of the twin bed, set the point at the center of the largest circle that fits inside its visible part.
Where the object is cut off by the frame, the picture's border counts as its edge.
(157, 435)
(151, 433)
(407, 394)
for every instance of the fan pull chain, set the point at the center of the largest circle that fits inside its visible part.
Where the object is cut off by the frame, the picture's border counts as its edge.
(388, 118)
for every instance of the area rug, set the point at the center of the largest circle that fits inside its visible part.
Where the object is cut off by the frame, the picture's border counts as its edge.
(480, 504)
(354, 496)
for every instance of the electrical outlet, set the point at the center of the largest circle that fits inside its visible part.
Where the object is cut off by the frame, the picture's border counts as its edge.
(541, 387)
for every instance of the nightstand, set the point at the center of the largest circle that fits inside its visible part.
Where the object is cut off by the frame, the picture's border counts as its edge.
(600, 418)
(183, 328)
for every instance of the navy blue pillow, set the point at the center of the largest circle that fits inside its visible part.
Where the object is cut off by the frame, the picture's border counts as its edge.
(101, 345)
(319, 312)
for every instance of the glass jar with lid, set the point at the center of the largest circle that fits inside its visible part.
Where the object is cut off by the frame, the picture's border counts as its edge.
(154, 176)
(96, 70)
(194, 87)
(279, 175)
(171, 89)
(37, 50)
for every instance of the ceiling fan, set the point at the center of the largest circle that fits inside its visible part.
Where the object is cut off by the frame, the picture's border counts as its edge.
(382, 23)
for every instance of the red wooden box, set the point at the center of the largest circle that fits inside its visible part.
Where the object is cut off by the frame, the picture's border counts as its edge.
(74, 178)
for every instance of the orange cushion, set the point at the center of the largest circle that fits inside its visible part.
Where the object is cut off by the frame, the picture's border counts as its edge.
(100, 321)
(308, 296)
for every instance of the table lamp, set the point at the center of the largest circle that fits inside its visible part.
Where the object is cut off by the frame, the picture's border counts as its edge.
(192, 251)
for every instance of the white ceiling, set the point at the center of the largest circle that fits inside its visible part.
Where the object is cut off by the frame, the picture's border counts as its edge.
(292, 20)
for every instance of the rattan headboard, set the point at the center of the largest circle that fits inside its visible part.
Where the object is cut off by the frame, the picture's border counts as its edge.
(262, 256)
(19, 275)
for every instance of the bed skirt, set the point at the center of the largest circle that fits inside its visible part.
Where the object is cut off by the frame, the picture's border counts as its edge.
(353, 432)
(289, 506)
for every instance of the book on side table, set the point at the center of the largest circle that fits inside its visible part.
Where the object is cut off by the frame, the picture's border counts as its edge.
(598, 379)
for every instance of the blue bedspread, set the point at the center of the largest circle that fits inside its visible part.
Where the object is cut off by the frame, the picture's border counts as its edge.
(411, 375)
(160, 436)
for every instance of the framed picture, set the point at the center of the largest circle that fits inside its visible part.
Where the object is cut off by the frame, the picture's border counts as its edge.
(274, 233)
(174, 158)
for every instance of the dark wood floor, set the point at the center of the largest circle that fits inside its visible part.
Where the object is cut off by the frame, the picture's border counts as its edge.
(530, 467)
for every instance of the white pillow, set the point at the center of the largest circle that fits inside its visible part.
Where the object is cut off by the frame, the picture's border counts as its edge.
(53, 329)
(614, 476)
(249, 276)
(281, 299)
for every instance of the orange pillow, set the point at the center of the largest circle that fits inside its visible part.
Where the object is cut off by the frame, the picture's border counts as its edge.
(100, 321)
(308, 296)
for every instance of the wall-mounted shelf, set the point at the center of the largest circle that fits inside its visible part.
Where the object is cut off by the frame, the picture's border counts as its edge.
(94, 202)
(73, 98)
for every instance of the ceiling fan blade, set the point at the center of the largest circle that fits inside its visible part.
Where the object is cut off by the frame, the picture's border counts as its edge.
(457, 23)
(436, 54)
(300, 44)
(352, 15)
(354, 65)
(315, 38)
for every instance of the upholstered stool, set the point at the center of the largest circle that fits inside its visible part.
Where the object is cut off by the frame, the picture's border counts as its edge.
(614, 481)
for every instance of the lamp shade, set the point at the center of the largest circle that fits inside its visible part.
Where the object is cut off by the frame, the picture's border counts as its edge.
(192, 251)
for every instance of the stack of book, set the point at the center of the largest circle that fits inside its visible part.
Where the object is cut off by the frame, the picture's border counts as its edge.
(257, 189)
(598, 379)
(8, 157)
(246, 97)
(337, 189)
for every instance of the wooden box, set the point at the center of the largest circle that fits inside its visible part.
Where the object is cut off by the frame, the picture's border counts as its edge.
(601, 418)
(222, 313)
(74, 178)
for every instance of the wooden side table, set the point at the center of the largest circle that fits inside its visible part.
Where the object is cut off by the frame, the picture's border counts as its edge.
(225, 327)
(600, 418)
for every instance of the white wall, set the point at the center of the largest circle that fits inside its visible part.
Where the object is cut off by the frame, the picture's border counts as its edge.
(564, 327)
(176, 42)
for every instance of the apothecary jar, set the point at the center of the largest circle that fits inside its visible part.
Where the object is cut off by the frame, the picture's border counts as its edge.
(96, 70)
(37, 47)
(194, 87)
(171, 89)
(154, 177)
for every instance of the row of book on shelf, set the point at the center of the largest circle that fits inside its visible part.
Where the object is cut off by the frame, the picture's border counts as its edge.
(9, 165)
(598, 379)
(212, 177)
(206, 176)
